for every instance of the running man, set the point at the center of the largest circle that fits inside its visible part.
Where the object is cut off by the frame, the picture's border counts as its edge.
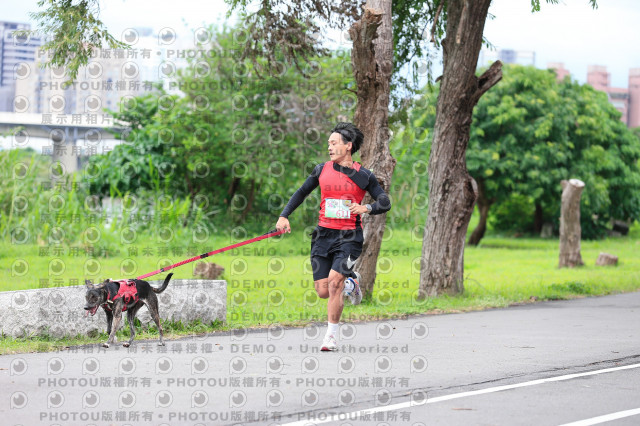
(337, 241)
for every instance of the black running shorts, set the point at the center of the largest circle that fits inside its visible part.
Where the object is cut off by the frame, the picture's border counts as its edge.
(335, 249)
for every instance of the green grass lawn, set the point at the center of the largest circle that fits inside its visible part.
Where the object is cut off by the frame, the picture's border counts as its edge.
(270, 281)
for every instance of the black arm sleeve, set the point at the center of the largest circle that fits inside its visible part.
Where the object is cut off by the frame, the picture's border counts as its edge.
(383, 203)
(298, 197)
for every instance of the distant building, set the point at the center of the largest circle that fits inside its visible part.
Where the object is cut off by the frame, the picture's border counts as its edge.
(627, 101)
(6, 98)
(111, 77)
(558, 67)
(99, 85)
(634, 97)
(14, 51)
(507, 56)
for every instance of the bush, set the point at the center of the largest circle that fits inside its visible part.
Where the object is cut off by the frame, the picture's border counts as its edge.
(513, 215)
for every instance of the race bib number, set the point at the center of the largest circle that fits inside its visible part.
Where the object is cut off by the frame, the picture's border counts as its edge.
(337, 209)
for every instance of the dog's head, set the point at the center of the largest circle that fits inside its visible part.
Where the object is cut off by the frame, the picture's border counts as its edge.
(96, 295)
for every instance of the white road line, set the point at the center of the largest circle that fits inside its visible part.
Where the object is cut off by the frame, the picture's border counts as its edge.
(605, 418)
(356, 414)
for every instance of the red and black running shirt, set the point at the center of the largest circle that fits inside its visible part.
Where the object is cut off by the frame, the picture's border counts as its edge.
(340, 183)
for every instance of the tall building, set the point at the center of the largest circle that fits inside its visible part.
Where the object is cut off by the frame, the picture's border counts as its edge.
(626, 100)
(15, 51)
(598, 77)
(634, 97)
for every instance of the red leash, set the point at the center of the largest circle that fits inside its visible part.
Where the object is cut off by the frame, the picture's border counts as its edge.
(269, 234)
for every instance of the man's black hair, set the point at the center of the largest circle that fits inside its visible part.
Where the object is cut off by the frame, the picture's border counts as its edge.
(350, 133)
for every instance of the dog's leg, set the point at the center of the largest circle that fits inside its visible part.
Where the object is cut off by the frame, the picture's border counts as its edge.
(132, 331)
(117, 316)
(109, 320)
(152, 305)
(131, 315)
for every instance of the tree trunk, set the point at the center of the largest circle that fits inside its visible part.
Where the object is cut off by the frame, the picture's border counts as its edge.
(483, 207)
(233, 187)
(249, 206)
(452, 191)
(570, 231)
(372, 61)
(538, 219)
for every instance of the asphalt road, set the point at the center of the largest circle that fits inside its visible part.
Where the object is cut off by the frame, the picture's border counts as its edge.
(549, 363)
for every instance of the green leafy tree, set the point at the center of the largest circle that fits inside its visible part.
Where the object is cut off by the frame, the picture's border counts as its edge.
(519, 140)
(237, 139)
(529, 133)
(411, 147)
(607, 154)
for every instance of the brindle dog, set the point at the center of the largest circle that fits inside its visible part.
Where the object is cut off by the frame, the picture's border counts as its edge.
(98, 295)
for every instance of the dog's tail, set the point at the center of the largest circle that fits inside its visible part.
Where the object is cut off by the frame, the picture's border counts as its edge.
(164, 284)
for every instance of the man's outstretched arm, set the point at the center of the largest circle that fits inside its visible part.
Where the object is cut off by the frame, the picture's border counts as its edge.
(298, 197)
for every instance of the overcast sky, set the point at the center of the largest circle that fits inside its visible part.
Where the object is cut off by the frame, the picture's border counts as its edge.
(570, 32)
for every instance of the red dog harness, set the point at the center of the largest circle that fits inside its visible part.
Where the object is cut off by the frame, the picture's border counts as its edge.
(127, 290)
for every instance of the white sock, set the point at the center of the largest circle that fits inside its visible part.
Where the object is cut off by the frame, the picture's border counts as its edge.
(332, 330)
(348, 286)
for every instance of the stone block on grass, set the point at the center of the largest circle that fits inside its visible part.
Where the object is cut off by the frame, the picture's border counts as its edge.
(58, 311)
(606, 259)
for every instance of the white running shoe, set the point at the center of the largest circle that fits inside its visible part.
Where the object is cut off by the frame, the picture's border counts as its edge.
(329, 343)
(355, 296)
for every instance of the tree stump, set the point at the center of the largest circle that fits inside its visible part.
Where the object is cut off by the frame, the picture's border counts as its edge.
(605, 259)
(570, 231)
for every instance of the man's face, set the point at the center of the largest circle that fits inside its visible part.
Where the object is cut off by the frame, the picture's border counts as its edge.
(337, 148)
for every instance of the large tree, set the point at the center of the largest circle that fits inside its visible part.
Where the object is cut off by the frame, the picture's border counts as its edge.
(452, 191)
(187, 147)
(372, 59)
(532, 131)
(519, 141)
(529, 133)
